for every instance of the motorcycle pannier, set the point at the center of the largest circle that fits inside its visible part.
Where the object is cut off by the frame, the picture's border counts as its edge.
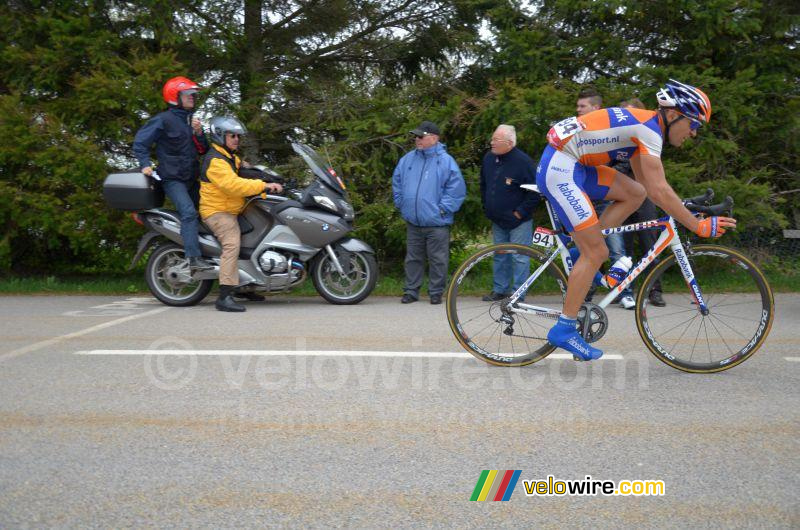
(132, 191)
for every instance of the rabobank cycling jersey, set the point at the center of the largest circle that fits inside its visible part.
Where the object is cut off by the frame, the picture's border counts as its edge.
(597, 138)
(572, 171)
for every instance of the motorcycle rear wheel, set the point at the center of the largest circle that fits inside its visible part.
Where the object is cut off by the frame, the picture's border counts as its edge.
(163, 282)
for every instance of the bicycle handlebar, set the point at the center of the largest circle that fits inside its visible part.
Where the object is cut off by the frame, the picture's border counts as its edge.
(702, 204)
(701, 200)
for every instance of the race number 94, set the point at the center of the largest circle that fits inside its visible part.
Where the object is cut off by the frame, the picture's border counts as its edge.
(563, 131)
(544, 237)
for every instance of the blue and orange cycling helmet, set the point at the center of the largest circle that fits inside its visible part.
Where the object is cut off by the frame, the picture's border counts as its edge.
(686, 99)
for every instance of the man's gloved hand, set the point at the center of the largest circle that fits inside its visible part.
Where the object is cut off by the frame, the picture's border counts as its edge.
(714, 226)
(273, 187)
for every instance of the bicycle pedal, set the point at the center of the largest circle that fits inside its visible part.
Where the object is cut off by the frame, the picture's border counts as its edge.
(577, 358)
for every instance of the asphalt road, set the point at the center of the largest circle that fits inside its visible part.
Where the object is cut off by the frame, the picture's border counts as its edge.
(120, 412)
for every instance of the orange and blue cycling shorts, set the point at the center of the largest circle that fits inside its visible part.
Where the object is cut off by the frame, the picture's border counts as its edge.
(571, 187)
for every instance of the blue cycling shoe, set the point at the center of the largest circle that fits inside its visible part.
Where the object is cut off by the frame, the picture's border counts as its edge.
(565, 335)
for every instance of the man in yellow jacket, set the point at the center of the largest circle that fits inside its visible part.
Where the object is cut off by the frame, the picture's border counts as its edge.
(222, 198)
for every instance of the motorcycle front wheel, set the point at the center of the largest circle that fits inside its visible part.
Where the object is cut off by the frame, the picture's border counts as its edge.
(349, 288)
(167, 275)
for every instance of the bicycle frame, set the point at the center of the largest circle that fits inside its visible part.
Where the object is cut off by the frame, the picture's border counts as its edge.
(669, 238)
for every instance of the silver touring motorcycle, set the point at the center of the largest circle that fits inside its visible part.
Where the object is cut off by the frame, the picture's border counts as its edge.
(284, 239)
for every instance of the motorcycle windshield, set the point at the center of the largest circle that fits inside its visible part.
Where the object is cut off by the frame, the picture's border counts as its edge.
(320, 167)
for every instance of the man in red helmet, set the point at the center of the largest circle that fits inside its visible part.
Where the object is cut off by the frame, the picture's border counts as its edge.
(179, 139)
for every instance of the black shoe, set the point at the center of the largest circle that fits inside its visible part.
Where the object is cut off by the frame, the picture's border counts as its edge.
(249, 295)
(199, 264)
(226, 303)
(494, 297)
(656, 299)
(590, 294)
(407, 299)
(436, 299)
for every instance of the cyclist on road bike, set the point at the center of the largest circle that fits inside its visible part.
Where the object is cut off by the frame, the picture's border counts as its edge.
(572, 173)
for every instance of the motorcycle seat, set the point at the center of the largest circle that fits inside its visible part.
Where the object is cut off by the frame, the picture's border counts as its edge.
(245, 227)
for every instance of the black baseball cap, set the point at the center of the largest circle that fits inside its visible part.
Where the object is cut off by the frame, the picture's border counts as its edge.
(425, 128)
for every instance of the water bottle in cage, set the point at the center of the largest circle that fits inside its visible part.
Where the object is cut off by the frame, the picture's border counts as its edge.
(617, 272)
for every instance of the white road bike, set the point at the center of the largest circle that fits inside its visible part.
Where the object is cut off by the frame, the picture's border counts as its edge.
(719, 307)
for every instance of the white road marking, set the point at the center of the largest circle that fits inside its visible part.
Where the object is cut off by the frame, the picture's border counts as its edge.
(118, 308)
(56, 340)
(317, 353)
(793, 359)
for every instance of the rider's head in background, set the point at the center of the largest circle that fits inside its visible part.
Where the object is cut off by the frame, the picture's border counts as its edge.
(632, 103)
(683, 110)
(180, 92)
(226, 131)
(588, 100)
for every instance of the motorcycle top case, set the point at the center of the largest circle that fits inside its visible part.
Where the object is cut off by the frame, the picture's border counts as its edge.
(132, 191)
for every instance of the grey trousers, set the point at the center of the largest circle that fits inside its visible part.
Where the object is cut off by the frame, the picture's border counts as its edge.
(432, 242)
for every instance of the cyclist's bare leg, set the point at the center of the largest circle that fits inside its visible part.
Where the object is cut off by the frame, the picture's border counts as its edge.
(594, 252)
(627, 195)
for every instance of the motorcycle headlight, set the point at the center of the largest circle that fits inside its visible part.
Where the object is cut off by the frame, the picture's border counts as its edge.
(326, 203)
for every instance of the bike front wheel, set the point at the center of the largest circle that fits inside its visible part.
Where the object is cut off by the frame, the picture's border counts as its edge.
(740, 311)
(491, 330)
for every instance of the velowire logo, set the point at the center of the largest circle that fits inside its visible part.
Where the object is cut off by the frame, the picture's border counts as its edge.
(494, 485)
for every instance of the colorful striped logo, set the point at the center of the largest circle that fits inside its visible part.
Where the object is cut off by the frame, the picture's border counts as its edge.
(494, 485)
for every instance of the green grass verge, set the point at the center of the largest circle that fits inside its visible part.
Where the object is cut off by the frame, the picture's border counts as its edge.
(87, 285)
(781, 280)
(134, 284)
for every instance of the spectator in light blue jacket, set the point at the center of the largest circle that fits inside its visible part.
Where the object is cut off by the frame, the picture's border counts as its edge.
(428, 190)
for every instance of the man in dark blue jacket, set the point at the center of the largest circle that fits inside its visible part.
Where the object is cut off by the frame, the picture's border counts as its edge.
(428, 189)
(179, 139)
(509, 207)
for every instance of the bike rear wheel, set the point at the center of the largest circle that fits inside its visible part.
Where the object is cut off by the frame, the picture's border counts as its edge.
(478, 324)
(740, 304)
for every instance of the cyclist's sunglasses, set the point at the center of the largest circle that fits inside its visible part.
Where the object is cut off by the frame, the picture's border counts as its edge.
(693, 123)
(234, 135)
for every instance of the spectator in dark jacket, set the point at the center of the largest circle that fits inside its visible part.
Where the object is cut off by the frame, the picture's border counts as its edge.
(179, 139)
(428, 189)
(510, 208)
